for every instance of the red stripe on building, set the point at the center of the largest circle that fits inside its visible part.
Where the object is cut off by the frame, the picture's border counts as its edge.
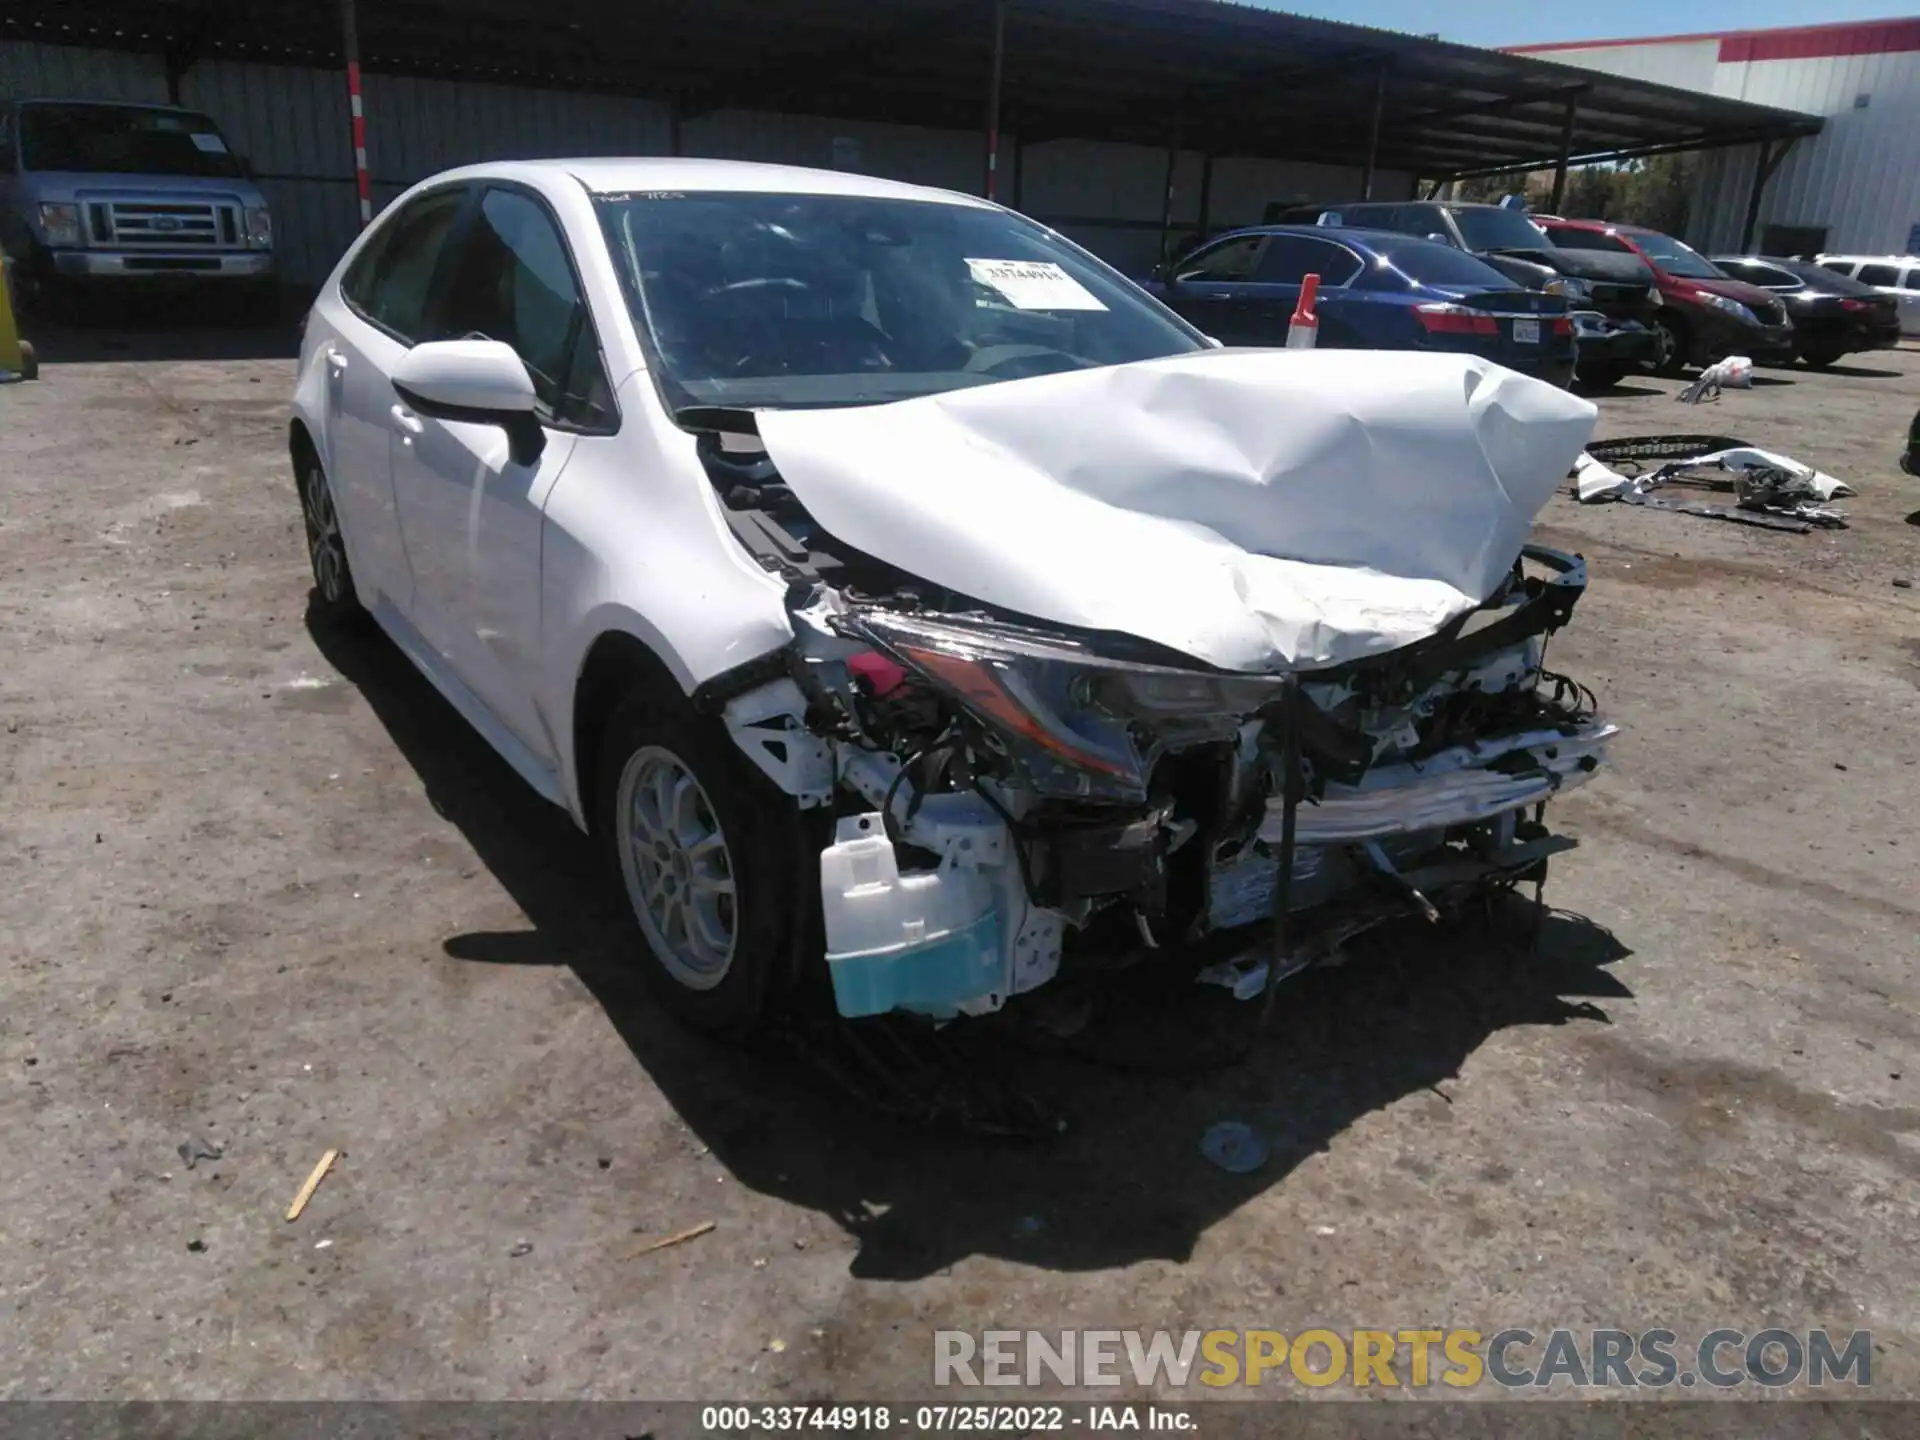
(1800, 42)
(1818, 42)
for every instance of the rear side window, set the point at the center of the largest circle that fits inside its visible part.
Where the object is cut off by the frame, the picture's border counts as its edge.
(1234, 259)
(515, 283)
(1443, 265)
(1570, 239)
(389, 282)
(1839, 267)
(1291, 258)
(1888, 275)
(1771, 276)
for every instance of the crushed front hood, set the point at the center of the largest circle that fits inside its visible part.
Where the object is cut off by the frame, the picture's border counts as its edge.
(1256, 509)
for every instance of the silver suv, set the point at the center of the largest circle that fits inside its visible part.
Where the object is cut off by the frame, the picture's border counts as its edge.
(94, 195)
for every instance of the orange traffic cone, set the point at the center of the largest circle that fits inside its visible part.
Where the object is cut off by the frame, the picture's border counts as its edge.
(1304, 329)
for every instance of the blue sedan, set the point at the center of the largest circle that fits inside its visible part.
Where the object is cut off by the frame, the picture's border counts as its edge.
(1378, 291)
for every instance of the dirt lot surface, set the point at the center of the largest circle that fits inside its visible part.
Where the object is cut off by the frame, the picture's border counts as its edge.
(265, 891)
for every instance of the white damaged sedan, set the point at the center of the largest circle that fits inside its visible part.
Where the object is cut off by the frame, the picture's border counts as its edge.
(910, 606)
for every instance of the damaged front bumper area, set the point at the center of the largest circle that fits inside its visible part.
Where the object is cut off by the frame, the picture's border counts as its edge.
(1009, 800)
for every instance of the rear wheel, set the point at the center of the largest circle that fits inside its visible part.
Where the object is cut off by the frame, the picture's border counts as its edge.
(334, 600)
(713, 862)
(1819, 358)
(1601, 375)
(1672, 343)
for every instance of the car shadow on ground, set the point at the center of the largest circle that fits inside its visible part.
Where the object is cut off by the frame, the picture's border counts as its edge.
(1618, 389)
(1858, 372)
(150, 329)
(1137, 1078)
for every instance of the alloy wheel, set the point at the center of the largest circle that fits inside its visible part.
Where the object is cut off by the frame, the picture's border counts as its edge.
(325, 550)
(678, 870)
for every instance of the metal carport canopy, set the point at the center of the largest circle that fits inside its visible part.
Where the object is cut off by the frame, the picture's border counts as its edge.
(1212, 76)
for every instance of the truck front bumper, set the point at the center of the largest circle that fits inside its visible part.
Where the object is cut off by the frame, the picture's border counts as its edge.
(1604, 341)
(163, 265)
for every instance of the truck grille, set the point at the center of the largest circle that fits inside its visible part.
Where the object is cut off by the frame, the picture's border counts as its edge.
(169, 225)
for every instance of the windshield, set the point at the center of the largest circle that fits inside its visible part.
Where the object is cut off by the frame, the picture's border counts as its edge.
(1676, 259)
(122, 140)
(1495, 229)
(757, 299)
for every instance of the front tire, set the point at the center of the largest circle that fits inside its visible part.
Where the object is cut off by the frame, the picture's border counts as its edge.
(334, 601)
(1820, 359)
(713, 862)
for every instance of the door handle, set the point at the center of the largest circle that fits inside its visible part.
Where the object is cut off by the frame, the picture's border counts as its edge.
(406, 420)
(337, 362)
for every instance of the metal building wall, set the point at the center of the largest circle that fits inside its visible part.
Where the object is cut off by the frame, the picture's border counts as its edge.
(292, 125)
(1860, 177)
(1690, 64)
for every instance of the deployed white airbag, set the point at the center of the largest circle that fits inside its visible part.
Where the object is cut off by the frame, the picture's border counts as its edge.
(1256, 509)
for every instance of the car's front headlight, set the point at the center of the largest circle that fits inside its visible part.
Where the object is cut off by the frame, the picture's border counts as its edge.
(1732, 307)
(1574, 291)
(259, 227)
(1066, 711)
(60, 223)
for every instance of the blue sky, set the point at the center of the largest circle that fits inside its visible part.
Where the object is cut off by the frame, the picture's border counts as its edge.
(1533, 22)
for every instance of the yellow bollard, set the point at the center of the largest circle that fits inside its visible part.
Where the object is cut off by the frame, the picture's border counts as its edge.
(14, 357)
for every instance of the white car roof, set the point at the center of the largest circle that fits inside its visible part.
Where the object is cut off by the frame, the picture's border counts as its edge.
(1875, 259)
(614, 175)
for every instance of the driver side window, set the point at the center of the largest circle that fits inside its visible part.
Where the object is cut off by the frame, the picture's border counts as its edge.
(515, 283)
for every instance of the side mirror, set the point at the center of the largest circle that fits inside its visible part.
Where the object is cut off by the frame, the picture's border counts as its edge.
(480, 382)
(1438, 238)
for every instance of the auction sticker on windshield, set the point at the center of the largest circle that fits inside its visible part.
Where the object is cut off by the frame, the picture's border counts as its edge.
(1034, 285)
(210, 144)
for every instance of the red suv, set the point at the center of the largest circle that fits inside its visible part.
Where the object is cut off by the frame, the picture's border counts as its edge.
(1704, 315)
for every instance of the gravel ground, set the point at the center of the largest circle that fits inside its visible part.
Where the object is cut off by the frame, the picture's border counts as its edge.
(266, 892)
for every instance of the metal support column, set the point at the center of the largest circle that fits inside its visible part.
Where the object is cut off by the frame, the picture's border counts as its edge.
(1205, 221)
(993, 95)
(1166, 195)
(1373, 132)
(1769, 162)
(350, 43)
(1566, 153)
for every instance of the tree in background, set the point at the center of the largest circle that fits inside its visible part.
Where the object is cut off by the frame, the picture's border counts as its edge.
(1650, 192)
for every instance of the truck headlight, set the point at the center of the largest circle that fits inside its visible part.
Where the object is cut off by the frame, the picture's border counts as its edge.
(259, 227)
(60, 223)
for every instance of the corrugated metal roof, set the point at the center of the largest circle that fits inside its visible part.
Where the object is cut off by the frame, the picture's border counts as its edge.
(1224, 78)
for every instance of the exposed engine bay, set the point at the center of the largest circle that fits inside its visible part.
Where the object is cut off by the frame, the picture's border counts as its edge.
(1010, 795)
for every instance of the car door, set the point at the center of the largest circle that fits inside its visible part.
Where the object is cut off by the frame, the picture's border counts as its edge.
(381, 313)
(1208, 287)
(470, 513)
(1272, 295)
